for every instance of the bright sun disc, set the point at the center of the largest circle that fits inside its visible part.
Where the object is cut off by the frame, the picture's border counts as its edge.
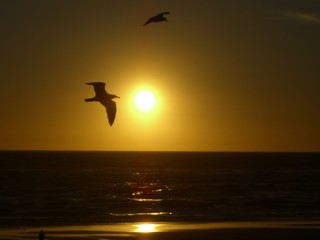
(145, 101)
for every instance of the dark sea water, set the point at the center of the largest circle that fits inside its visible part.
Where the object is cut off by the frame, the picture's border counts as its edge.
(70, 188)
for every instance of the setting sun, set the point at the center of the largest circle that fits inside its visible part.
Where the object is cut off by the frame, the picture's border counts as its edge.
(145, 105)
(145, 100)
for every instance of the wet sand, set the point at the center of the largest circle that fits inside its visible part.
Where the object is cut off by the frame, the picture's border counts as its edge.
(273, 230)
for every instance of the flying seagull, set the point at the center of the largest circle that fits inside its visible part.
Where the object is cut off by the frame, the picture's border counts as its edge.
(157, 18)
(105, 99)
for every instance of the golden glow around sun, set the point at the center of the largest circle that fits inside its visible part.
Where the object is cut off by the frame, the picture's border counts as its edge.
(145, 100)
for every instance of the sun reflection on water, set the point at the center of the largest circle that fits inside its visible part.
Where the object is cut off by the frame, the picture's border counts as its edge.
(146, 228)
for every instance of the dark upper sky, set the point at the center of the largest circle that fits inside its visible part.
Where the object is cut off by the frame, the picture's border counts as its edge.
(227, 75)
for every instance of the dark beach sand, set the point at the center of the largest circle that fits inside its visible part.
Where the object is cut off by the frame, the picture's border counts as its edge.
(292, 230)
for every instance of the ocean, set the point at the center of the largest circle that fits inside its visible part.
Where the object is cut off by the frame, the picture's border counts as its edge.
(43, 188)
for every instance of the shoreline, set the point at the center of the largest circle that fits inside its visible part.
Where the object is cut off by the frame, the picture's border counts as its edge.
(262, 230)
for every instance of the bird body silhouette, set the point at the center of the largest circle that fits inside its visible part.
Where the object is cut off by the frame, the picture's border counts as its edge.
(105, 99)
(157, 18)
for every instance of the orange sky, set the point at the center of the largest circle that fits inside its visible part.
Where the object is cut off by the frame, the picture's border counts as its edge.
(228, 75)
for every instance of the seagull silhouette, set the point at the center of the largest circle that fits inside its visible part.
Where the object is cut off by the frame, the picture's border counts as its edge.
(105, 99)
(157, 18)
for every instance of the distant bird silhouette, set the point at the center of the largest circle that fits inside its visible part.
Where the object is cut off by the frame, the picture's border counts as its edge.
(157, 18)
(105, 99)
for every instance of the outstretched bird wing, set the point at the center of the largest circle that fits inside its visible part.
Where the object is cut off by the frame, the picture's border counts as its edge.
(163, 13)
(105, 99)
(99, 88)
(111, 109)
(150, 20)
